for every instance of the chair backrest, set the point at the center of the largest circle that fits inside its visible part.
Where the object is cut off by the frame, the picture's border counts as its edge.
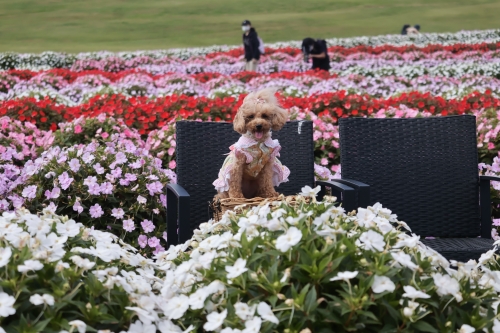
(423, 169)
(202, 148)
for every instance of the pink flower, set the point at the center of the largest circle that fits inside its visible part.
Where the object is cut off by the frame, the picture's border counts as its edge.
(141, 199)
(158, 249)
(496, 222)
(104, 135)
(153, 242)
(155, 187)
(128, 225)
(171, 151)
(106, 188)
(94, 189)
(147, 226)
(164, 236)
(54, 194)
(143, 241)
(324, 161)
(78, 129)
(99, 169)
(77, 207)
(96, 211)
(491, 145)
(172, 165)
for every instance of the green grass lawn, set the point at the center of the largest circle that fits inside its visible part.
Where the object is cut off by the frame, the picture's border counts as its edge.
(118, 25)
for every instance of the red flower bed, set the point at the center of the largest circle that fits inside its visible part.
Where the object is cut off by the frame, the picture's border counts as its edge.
(145, 114)
(455, 48)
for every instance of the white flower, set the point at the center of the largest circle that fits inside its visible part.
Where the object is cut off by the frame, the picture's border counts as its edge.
(237, 269)
(166, 326)
(82, 262)
(139, 327)
(215, 320)
(365, 217)
(291, 238)
(308, 191)
(197, 300)
(37, 299)
(413, 293)
(346, 276)
(176, 307)
(446, 285)
(382, 283)
(60, 266)
(466, 329)
(496, 326)
(5, 254)
(410, 309)
(404, 259)
(265, 311)
(79, 325)
(30, 265)
(243, 311)
(141, 199)
(485, 257)
(70, 228)
(372, 240)
(253, 325)
(6, 305)
(230, 330)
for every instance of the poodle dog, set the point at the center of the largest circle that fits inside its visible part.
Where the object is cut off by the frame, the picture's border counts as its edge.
(252, 168)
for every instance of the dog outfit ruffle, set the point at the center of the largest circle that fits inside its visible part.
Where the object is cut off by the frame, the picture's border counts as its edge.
(257, 155)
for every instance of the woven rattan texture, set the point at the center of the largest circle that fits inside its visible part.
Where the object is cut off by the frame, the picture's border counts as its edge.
(423, 169)
(202, 148)
(460, 249)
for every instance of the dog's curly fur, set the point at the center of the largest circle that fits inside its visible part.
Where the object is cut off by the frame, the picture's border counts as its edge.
(260, 112)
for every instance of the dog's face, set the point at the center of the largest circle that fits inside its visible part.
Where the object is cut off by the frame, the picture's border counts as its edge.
(259, 120)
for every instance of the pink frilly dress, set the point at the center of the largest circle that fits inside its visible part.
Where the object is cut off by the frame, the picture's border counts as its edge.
(257, 155)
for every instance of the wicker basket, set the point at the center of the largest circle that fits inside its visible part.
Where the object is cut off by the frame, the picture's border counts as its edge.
(237, 205)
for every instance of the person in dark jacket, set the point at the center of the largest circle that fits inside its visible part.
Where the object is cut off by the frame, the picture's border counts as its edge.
(318, 51)
(251, 44)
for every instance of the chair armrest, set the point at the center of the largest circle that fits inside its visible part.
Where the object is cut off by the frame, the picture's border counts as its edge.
(362, 189)
(177, 215)
(346, 194)
(485, 204)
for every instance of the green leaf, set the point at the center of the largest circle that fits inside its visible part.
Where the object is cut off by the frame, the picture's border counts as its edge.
(424, 327)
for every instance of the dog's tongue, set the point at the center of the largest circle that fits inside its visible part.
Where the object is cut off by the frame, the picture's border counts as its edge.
(258, 135)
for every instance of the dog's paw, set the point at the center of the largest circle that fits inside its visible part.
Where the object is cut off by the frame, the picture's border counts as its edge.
(236, 195)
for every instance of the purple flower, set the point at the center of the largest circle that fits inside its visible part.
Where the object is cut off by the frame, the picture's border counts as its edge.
(164, 236)
(50, 174)
(128, 225)
(99, 169)
(29, 192)
(116, 172)
(163, 200)
(117, 213)
(106, 188)
(52, 207)
(94, 189)
(120, 158)
(4, 204)
(74, 165)
(135, 165)
(77, 207)
(130, 177)
(155, 187)
(90, 180)
(124, 182)
(88, 157)
(96, 211)
(147, 226)
(143, 241)
(158, 249)
(141, 199)
(56, 191)
(110, 177)
(16, 200)
(65, 180)
(153, 242)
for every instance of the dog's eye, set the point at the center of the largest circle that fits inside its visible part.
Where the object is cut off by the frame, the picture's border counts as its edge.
(250, 117)
(265, 116)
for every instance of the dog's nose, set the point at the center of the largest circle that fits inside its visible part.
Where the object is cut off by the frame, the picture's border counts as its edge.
(258, 127)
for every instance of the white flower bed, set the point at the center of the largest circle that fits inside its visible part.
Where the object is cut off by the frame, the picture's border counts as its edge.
(275, 268)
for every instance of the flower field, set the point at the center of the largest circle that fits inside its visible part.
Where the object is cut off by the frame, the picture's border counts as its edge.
(87, 145)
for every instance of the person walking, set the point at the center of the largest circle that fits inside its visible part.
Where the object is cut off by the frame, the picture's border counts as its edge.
(318, 51)
(251, 44)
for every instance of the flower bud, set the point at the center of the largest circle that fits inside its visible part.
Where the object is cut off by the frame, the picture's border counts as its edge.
(342, 247)
(88, 306)
(363, 262)
(281, 296)
(306, 330)
(194, 244)
(448, 324)
(408, 312)
(329, 241)
(254, 276)
(289, 302)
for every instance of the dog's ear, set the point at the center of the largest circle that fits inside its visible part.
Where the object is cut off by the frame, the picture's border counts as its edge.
(239, 124)
(280, 117)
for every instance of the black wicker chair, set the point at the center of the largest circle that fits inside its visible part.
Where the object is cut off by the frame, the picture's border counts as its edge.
(425, 171)
(200, 151)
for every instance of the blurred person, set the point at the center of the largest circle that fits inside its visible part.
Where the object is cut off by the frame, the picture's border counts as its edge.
(251, 43)
(413, 30)
(318, 51)
(405, 27)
